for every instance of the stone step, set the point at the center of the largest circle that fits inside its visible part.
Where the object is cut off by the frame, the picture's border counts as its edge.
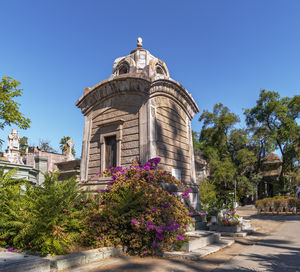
(200, 253)
(197, 225)
(17, 262)
(199, 239)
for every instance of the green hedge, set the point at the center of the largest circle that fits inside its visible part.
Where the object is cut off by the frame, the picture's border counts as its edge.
(278, 204)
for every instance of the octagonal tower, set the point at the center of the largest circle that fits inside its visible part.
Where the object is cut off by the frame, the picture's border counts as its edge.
(139, 112)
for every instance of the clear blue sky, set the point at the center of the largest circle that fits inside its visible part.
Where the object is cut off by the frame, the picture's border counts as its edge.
(221, 51)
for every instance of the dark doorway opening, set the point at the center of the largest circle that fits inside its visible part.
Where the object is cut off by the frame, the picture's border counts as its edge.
(110, 151)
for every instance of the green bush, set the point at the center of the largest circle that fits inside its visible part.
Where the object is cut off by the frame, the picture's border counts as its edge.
(137, 212)
(41, 218)
(57, 216)
(278, 204)
(208, 195)
(11, 208)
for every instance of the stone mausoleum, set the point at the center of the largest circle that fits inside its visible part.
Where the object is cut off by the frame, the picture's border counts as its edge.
(138, 113)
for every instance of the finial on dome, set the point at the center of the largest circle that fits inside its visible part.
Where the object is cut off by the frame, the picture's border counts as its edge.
(139, 42)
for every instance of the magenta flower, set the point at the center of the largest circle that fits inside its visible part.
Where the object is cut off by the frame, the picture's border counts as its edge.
(154, 209)
(179, 237)
(100, 238)
(191, 213)
(83, 181)
(159, 236)
(133, 221)
(147, 168)
(10, 249)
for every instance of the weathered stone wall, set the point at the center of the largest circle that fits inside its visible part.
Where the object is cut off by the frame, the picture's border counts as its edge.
(121, 109)
(172, 141)
(52, 158)
(172, 136)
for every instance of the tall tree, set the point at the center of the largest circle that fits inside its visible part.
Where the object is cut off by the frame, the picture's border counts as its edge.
(63, 145)
(277, 118)
(23, 145)
(9, 108)
(45, 146)
(228, 153)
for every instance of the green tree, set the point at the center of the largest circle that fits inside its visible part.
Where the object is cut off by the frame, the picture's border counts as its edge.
(44, 218)
(196, 143)
(63, 145)
(274, 119)
(45, 146)
(229, 153)
(23, 144)
(9, 108)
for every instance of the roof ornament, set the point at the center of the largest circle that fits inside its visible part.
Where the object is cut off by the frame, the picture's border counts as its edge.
(139, 42)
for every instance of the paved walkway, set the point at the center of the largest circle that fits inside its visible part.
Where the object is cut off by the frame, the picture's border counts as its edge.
(279, 251)
(276, 247)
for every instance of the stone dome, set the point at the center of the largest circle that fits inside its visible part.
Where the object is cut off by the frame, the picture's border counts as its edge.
(140, 61)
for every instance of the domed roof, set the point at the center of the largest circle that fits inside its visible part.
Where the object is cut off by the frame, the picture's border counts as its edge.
(272, 158)
(140, 61)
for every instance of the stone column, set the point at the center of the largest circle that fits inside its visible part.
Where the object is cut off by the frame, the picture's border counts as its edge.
(41, 164)
(151, 131)
(85, 149)
(143, 133)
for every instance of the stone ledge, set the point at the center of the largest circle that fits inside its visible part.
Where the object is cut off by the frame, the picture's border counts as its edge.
(62, 262)
(198, 254)
(18, 262)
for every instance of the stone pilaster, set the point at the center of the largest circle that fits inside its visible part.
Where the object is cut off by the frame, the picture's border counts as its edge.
(41, 164)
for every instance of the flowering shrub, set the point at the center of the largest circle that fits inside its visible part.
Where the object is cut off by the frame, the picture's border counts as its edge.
(135, 211)
(213, 211)
(229, 217)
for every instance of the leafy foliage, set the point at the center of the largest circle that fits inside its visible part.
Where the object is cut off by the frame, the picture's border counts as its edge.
(275, 119)
(11, 217)
(278, 204)
(56, 217)
(23, 145)
(229, 153)
(137, 212)
(41, 218)
(45, 146)
(9, 109)
(235, 154)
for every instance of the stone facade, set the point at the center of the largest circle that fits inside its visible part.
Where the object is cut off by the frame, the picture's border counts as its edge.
(32, 153)
(145, 114)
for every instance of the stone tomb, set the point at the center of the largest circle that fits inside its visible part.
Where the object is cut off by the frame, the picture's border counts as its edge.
(138, 113)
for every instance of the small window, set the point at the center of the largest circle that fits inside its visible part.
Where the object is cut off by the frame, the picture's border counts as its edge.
(110, 151)
(159, 70)
(124, 69)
